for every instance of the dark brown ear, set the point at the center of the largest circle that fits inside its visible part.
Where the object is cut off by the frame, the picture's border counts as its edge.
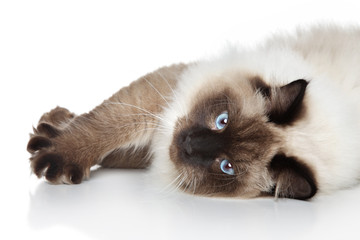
(285, 103)
(293, 179)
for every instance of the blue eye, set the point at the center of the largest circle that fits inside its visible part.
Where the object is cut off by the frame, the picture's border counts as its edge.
(221, 120)
(227, 167)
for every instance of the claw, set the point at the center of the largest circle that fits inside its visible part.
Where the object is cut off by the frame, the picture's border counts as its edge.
(49, 163)
(74, 173)
(48, 130)
(38, 142)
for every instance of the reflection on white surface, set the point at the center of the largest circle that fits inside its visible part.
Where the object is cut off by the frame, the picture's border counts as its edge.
(120, 203)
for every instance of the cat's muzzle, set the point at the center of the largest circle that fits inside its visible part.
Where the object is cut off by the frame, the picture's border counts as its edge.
(199, 145)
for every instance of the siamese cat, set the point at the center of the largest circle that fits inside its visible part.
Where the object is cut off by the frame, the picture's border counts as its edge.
(281, 119)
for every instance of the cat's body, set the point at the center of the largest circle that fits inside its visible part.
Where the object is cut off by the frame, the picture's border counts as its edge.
(282, 119)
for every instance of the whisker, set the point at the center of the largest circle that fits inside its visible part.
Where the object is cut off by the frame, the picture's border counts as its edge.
(195, 182)
(141, 124)
(226, 184)
(191, 182)
(139, 108)
(166, 81)
(138, 114)
(144, 130)
(170, 185)
(159, 123)
(178, 184)
(161, 95)
(222, 174)
(175, 96)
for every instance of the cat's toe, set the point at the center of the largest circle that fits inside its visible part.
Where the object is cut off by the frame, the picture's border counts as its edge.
(57, 116)
(74, 174)
(55, 169)
(47, 164)
(48, 130)
(48, 161)
(37, 143)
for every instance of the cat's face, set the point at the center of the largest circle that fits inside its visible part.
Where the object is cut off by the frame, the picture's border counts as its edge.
(225, 144)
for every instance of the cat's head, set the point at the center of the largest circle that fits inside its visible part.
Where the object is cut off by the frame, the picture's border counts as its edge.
(229, 142)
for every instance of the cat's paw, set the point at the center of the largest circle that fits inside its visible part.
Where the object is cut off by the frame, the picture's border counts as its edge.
(48, 159)
(53, 167)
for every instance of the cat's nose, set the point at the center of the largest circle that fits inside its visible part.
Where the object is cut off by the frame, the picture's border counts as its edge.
(201, 144)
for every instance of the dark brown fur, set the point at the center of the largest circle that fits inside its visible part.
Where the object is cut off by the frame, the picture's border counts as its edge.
(294, 179)
(246, 142)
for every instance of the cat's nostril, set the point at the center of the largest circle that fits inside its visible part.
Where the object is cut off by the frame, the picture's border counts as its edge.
(187, 145)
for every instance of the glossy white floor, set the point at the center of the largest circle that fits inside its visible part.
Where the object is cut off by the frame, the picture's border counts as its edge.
(77, 53)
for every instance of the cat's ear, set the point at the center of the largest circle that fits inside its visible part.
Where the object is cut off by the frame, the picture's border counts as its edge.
(284, 104)
(292, 178)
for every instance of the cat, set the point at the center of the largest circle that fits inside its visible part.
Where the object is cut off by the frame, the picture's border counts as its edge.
(280, 119)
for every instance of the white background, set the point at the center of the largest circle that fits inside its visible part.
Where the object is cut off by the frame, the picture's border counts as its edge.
(76, 54)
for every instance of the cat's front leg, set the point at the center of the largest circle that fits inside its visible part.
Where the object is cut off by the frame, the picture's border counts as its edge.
(65, 152)
(64, 147)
